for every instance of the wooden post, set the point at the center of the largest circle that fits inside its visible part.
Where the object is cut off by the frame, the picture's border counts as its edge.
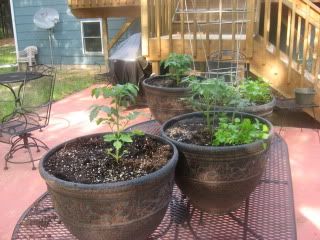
(279, 27)
(305, 46)
(266, 23)
(105, 43)
(182, 25)
(298, 42)
(234, 19)
(144, 28)
(317, 58)
(195, 50)
(155, 68)
(208, 30)
(158, 20)
(170, 24)
(292, 25)
(249, 28)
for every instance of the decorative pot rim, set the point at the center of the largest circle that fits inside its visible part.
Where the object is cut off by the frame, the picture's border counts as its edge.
(254, 144)
(307, 90)
(113, 185)
(160, 88)
(240, 109)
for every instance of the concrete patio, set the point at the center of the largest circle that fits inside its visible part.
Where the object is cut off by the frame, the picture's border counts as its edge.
(21, 186)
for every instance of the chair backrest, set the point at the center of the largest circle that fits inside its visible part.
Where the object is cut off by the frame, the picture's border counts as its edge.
(37, 94)
(29, 108)
(31, 50)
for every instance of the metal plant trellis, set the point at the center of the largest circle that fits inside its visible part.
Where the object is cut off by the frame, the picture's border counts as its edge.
(229, 65)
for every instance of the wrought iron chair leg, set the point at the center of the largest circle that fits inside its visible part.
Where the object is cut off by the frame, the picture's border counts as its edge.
(26, 144)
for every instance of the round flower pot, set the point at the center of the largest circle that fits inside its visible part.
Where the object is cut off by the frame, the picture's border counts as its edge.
(304, 96)
(120, 210)
(165, 101)
(260, 110)
(218, 179)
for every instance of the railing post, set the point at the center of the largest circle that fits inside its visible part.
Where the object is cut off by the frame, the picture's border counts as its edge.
(144, 28)
(158, 20)
(279, 27)
(182, 25)
(292, 25)
(170, 24)
(266, 29)
(249, 28)
(305, 46)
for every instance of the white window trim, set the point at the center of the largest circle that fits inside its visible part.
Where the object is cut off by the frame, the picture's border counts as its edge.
(82, 38)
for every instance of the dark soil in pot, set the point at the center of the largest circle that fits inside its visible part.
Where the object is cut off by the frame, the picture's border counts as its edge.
(164, 97)
(123, 200)
(86, 161)
(216, 179)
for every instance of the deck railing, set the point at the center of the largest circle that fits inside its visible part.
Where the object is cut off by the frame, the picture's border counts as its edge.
(74, 4)
(296, 38)
(199, 25)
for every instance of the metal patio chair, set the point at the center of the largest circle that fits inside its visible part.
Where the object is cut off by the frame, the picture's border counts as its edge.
(31, 113)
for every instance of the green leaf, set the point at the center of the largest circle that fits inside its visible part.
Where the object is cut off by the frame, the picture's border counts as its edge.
(100, 120)
(117, 144)
(137, 132)
(94, 112)
(125, 138)
(109, 137)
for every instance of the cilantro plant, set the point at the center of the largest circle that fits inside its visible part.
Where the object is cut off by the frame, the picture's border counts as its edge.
(179, 65)
(121, 96)
(256, 91)
(236, 131)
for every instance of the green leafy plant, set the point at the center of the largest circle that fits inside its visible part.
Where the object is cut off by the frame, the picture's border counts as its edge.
(121, 97)
(256, 91)
(236, 131)
(178, 64)
(209, 93)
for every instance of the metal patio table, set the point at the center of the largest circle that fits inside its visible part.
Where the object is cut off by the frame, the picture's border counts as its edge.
(8, 79)
(267, 214)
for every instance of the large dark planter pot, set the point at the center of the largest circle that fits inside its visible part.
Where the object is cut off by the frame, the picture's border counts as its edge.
(258, 110)
(219, 179)
(121, 210)
(165, 102)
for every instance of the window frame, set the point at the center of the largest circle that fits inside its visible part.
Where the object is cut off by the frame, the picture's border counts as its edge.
(83, 37)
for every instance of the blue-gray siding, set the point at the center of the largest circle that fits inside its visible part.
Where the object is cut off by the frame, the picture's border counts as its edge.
(67, 43)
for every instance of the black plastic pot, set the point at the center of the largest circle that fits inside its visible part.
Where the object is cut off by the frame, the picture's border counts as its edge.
(121, 210)
(304, 96)
(219, 179)
(165, 102)
(260, 110)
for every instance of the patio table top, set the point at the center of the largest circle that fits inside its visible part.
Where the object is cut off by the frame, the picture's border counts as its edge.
(267, 214)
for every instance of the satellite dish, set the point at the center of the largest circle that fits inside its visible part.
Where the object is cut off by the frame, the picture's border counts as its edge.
(46, 18)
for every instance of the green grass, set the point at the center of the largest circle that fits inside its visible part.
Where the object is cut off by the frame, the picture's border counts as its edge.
(71, 81)
(7, 54)
(67, 82)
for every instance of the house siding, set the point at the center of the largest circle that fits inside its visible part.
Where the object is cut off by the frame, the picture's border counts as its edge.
(67, 43)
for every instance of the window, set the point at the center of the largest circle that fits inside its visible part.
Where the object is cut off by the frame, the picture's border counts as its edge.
(91, 32)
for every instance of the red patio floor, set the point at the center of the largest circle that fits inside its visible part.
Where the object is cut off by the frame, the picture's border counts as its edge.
(20, 186)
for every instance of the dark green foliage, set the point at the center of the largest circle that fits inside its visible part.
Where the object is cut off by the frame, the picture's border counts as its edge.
(236, 131)
(256, 91)
(207, 94)
(179, 65)
(121, 97)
